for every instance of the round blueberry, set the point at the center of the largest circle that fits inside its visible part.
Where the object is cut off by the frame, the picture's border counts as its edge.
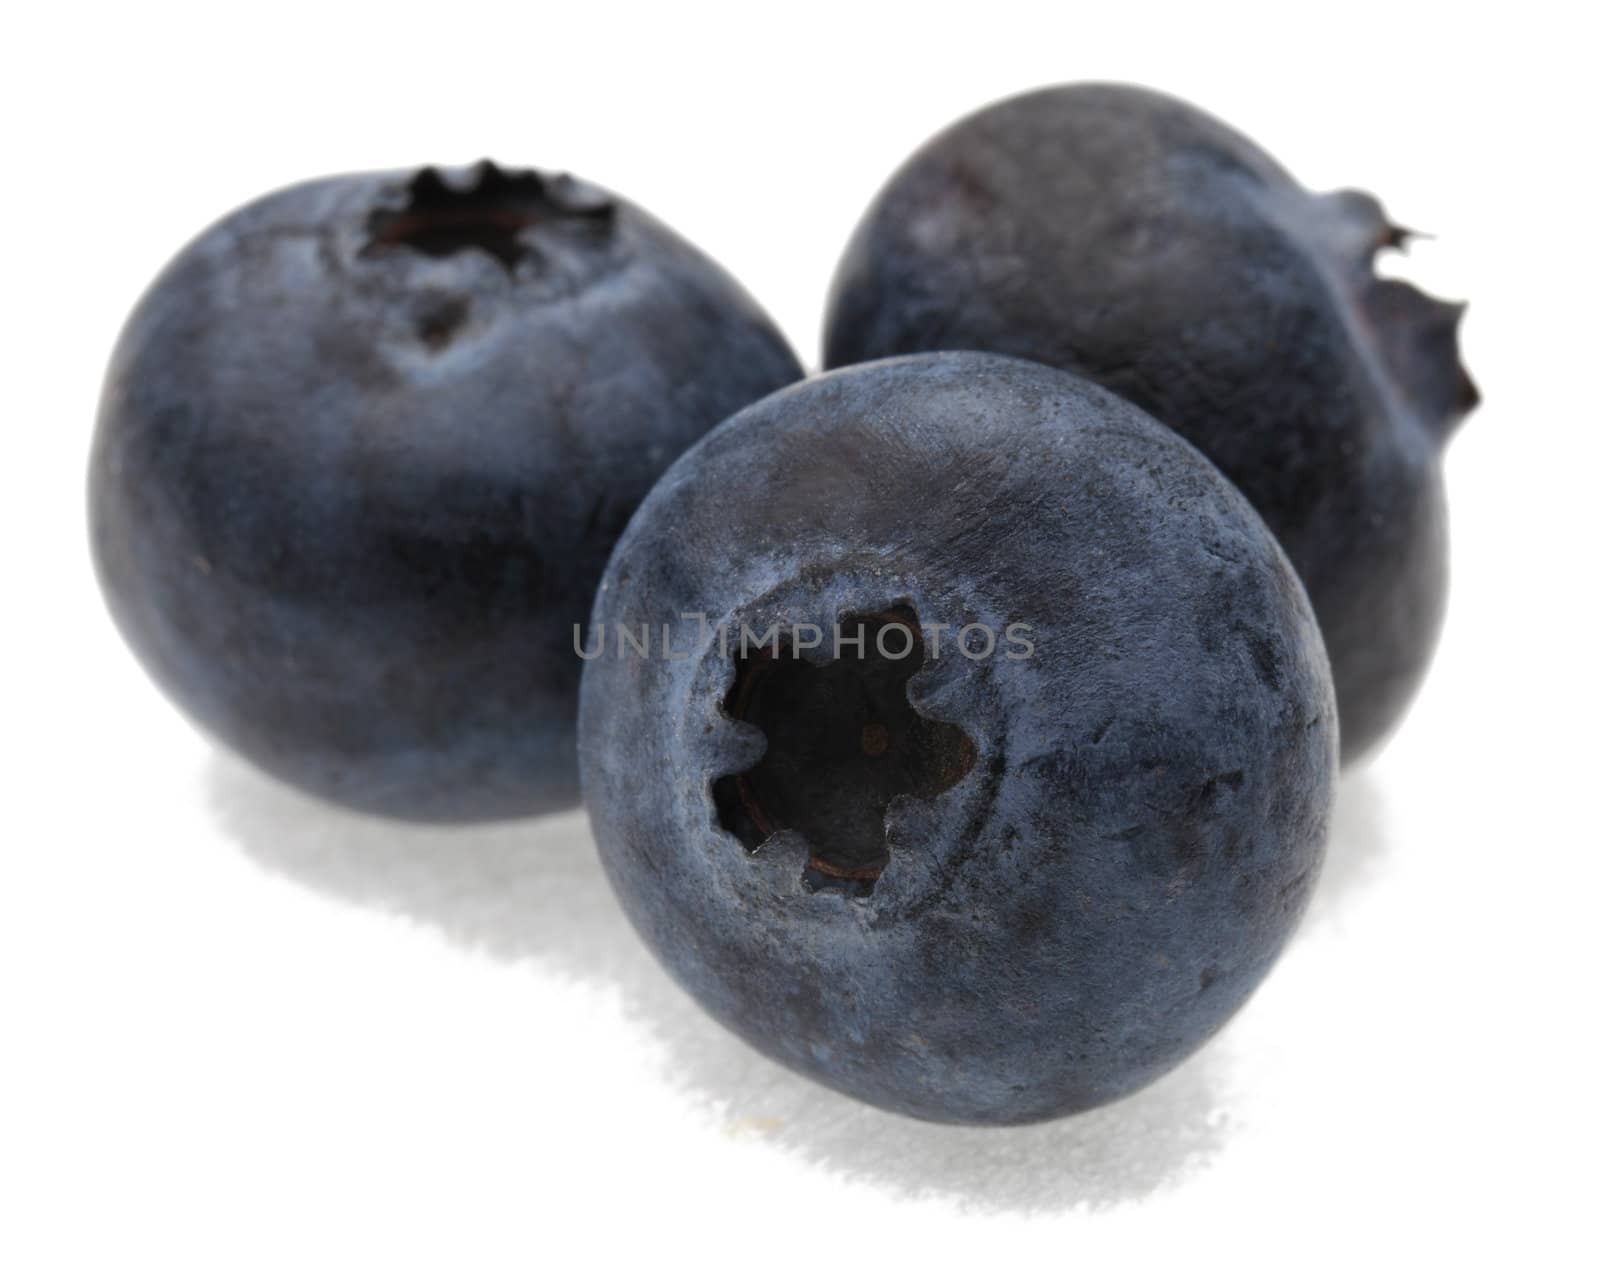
(1128, 237)
(363, 450)
(957, 735)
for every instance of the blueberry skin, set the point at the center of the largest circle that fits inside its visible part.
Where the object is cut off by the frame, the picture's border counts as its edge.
(1126, 236)
(363, 450)
(1133, 832)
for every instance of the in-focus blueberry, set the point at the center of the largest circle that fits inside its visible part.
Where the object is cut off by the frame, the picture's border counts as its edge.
(984, 766)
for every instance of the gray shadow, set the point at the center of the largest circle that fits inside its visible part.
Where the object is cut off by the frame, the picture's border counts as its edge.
(1356, 848)
(535, 891)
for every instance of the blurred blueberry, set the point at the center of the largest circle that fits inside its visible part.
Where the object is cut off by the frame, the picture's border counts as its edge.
(1128, 237)
(363, 450)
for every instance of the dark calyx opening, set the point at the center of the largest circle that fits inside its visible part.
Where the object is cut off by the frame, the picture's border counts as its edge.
(490, 214)
(842, 742)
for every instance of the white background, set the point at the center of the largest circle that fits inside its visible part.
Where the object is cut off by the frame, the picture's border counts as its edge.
(242, 1031)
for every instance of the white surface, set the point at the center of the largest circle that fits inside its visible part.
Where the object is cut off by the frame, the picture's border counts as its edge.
(242, 1031)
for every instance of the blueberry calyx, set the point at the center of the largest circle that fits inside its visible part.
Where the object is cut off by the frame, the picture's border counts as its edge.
(1420, 344)
(843, 743)
(490, 214)
(1417, 336)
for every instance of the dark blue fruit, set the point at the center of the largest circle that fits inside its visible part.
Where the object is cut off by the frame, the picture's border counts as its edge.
(363, 450)
(1132, 239)
(1045, 793)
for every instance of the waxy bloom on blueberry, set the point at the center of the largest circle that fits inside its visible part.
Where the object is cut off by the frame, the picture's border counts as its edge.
(1128, 237)
(1015, 880)
(363, 450)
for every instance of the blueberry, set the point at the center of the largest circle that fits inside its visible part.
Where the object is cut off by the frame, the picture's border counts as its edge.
(1130, 238)
(363, 450)
(983, 766)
